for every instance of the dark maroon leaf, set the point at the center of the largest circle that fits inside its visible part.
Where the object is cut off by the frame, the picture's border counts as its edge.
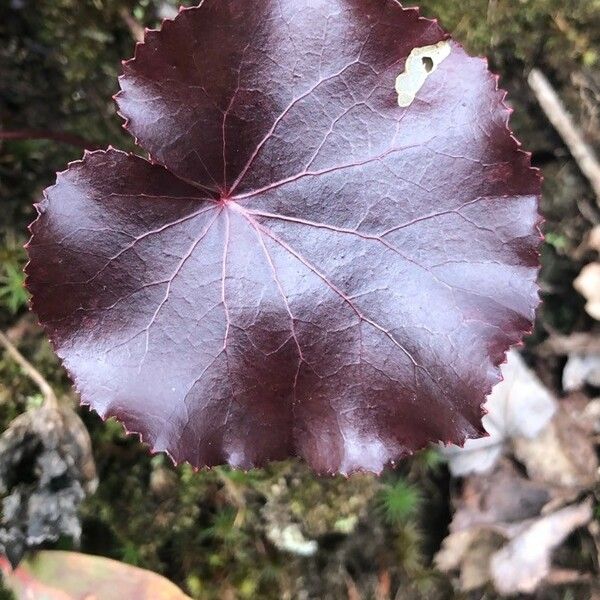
(306, 267)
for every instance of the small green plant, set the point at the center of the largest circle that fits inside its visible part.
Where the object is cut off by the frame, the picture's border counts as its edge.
(428, 460)
(557, 240)
(399, 501)
(13, 294)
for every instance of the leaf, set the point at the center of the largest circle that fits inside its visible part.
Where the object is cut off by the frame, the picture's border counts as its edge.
(469, 552)
(592, 241)
(504, 530)
(526, 560)
(12, 291)
(57, 575)
(588, 285)
(519, 406)
(563, 455)
(581, 369)
(304, 267)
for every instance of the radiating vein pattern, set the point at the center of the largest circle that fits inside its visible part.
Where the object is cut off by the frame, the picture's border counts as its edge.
(305, 268)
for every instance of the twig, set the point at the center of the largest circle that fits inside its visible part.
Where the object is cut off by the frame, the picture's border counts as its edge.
(55, 136)
(50, 399)
(566, 576)
(352, 588)
(136, 28)
(24, 326)
(576, 343)
(563, 123)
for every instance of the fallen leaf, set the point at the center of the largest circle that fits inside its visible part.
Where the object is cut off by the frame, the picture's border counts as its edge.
(581, 369)
(576, 343)
(57, 575)
(489, 510)
(499, 499)
(593, 239)
(525, 561)
(562, 455)
(588, 285)
(494, 511)
(591, 415)
(469, 552)
(519, 406)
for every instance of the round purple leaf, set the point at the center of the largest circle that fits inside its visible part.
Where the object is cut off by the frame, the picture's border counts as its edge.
(328, 256)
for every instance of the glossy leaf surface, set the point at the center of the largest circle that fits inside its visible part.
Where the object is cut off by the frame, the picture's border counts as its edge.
(305, 267)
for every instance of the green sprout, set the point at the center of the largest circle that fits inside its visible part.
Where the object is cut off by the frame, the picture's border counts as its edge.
(13, 294)
(399, 501)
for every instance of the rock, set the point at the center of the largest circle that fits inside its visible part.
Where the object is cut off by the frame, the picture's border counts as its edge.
(46, 470)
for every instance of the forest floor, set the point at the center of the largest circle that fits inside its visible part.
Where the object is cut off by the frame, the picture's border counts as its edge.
(281, 532)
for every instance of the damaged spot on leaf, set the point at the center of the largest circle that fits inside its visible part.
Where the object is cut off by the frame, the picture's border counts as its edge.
(420, 63)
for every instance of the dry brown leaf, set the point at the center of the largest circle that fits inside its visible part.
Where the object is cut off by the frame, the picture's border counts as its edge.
(563, 455)
(581, 369)
(498, 515)
(489, 511)
(525, 561)
(593, 239)
(57, 575)
(519, 405)
(588, 285)
(591, 415)
(469, 552)
(499, 499)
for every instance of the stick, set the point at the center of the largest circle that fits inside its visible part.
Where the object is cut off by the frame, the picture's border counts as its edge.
(50, 399)
(576, 343)
(563, 123)
(136, 29)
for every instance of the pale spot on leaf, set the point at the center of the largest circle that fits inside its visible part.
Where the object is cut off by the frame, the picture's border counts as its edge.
(420, 64)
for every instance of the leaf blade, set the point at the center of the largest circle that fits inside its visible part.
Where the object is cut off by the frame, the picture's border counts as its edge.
(337, 278)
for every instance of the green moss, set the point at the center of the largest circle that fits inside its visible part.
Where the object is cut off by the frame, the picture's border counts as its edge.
(525, 32)
(399, 501)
